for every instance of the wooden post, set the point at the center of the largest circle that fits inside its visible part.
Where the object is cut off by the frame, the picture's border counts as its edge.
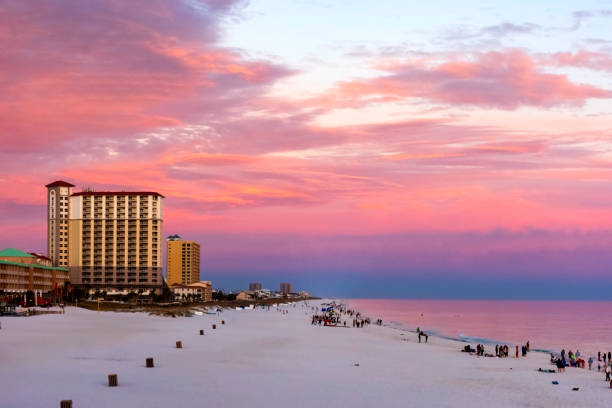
(66, 404)
(214, 326)
(201, 332)
(150, 362)
(179, 344)
(112, 380)
(222, 321)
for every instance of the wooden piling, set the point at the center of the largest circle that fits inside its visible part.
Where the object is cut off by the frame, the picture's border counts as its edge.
(201, 332)
(112, 380)
(66, 404)
(150, 362)
(179, 344)
(222, 321)
(214, 326)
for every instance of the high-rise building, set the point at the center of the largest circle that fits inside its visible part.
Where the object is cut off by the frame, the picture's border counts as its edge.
(182, 261)
(58, 214)
(113, 238)
(255, 286)
(285, 288)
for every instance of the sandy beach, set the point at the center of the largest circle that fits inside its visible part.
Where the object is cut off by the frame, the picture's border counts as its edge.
(264, 358)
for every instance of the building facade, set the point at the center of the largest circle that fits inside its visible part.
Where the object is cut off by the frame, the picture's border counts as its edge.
(182, 261)
(285, 288)
(58, 215)
(198, 291)
(110, 239)
(21, 272)
(253, 286)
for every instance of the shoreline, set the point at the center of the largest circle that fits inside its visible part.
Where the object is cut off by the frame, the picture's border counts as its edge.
(547, 330)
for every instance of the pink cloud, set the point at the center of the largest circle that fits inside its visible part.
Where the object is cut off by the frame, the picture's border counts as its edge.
(116, 96)
(599, 61)
(497, 79)
(112, 70)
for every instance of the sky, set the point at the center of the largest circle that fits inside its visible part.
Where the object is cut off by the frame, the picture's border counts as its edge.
(398, 149)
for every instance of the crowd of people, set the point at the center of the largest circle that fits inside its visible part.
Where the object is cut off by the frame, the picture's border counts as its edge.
(571, 359)
(335, 315)
(501, 351)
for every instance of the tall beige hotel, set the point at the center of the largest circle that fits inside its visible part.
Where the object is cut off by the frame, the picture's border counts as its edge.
(107, 239)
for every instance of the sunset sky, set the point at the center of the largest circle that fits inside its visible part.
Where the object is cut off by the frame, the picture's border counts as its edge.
(353, 148)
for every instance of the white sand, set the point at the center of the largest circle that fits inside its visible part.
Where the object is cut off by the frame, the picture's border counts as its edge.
(262, 358)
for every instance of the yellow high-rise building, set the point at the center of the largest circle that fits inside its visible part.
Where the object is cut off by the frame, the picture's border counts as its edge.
(182, 261)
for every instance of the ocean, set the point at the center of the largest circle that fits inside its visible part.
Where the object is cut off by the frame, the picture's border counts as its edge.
(548, 325)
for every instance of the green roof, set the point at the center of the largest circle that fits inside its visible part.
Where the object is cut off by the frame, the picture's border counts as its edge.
(12, 252)
(57, 268)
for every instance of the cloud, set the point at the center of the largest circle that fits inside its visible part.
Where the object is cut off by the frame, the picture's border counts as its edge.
(497, 79)
(598, 61)
(505, 29)
(113, 70)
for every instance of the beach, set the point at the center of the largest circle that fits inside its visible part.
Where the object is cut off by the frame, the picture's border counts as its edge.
(273, 357)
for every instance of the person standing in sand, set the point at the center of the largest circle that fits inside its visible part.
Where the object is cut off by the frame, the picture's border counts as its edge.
(590, 363)
(607, 371)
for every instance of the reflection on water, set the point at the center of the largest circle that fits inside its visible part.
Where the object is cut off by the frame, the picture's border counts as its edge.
(549, 325)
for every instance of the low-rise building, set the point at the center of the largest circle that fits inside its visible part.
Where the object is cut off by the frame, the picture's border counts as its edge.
(21, 272)
(197, 291)
(246, 295)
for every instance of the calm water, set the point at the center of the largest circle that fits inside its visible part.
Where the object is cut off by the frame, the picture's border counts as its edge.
(548, 325)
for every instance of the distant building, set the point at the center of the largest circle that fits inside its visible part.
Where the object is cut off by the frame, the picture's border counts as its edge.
(107, 239)
(254, 286)
(263, 294)
(20, 272)
(285, 288)
(198, 291)
(182, 261)
(245, 295)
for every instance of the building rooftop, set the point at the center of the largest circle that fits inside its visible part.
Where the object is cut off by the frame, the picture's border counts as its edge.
(60, 183)
(14, 253)
(116, 193)
(35, 255)
(34, 265)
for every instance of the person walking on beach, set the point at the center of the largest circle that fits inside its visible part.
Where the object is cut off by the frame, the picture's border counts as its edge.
(496, 350)
(607, 371)
(562, 354)
(527, 346)
(599, 356)
(590, 363)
